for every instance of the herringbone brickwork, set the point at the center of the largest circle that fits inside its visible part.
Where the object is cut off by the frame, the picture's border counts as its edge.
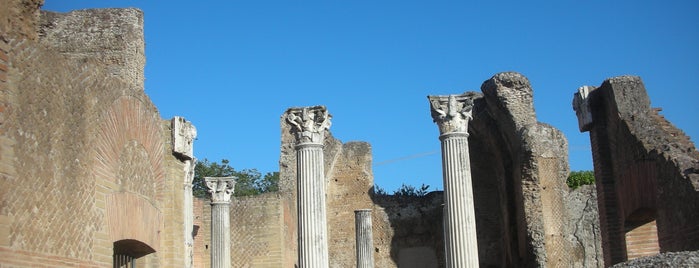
(256, 232)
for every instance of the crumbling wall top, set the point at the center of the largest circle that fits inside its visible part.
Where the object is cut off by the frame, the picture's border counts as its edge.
(510, 93)
(19, 18)
(113, 36)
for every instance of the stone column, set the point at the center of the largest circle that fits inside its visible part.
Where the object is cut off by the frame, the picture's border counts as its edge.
(183, 135)
(452, 114)
(365, 238)
(221, 189)
(309, 124)
(188, 208)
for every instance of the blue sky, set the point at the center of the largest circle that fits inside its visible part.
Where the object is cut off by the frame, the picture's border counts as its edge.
(233, 67)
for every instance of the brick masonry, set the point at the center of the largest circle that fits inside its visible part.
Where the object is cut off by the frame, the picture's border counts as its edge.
(644, 166)
(85, 159)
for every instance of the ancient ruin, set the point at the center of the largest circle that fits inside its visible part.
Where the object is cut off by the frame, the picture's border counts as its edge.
(221, 189)
(452, 114)
(92, 176)
(647, 172)
(364, 238)
(309, 124)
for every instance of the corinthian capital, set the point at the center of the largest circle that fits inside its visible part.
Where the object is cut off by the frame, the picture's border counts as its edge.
(452, 112)
(221, 188)
(309, 123)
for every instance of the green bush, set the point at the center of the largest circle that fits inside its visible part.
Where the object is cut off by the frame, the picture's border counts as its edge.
(580, 178)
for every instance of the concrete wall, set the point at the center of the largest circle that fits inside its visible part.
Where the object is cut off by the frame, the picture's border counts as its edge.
(519, 168)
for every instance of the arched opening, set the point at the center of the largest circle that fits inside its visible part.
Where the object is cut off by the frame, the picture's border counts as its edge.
(127, 251)
(641, 234)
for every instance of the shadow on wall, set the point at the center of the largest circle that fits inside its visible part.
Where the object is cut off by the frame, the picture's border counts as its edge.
(416, 221)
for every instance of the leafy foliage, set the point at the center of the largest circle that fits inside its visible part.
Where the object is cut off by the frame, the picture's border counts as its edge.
(403, 190)
(409, 190)
(248, 181)
(379, 191)
(580, 178)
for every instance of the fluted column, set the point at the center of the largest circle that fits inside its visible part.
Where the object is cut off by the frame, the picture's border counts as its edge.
(309, 125)
(365, 238)
(452, 114)
(221, 189)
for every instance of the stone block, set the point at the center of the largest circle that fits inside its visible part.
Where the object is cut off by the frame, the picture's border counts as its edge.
(183, 135)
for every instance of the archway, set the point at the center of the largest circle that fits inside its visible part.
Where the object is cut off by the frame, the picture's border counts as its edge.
(127, 251)
(641, 234)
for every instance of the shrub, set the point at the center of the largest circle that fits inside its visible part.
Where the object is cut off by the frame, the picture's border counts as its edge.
(580, 178)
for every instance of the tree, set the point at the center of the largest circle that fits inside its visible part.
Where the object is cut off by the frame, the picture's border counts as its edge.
(580, 178)
(248, 181)
(409, 190)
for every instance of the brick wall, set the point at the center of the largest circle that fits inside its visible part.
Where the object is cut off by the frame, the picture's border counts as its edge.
(82, 160)
(642, 163)
(202, 233)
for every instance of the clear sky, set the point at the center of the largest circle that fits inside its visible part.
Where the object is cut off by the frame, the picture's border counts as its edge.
(233, 67)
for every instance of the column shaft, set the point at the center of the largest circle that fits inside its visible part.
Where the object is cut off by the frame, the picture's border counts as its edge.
(313, 243)
(365, 238)
(220, 235)
(221, 189)
(188, 226)
(461, 246)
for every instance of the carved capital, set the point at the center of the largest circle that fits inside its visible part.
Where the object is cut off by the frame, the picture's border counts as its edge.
(183, 135)
(221, 188)
(581, 105)
(452, 112)
(309, 123)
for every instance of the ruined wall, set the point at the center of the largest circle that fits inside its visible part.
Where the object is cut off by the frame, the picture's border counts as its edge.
(646, 172)
(525, 214)
(348, 184)
(85, 159)
(521, 181)
(408, 231)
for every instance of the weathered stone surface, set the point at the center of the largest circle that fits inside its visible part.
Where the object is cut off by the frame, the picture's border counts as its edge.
(183, 135)
(664, 260)
(112, 36)
(583, 219)
(403, 224)
(520, 175)
(19, 18)
(510, 97)
(581, 105)
(645, 172)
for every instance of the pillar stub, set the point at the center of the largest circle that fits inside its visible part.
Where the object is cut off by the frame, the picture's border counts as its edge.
(221, 189)
(452, 112)
(581, 105)
(309, 123)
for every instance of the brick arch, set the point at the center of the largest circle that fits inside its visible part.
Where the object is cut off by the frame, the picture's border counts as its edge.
(128, 167)
(129, 150)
